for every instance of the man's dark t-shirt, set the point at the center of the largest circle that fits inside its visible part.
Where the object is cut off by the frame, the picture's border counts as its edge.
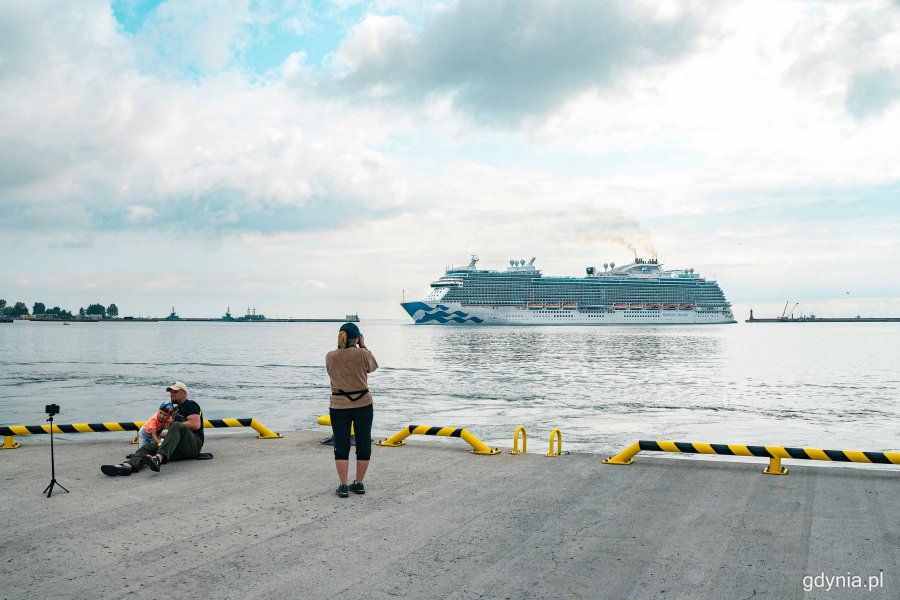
(188, 408)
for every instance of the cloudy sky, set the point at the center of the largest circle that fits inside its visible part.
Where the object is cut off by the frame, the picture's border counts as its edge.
(319, 158)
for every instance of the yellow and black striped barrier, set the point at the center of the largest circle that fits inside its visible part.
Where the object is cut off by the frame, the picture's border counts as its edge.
(8, 432)
(478, 447)
(773, 453)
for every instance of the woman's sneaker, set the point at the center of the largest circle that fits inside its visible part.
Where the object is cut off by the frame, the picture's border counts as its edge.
(357, 488)
(342, 491)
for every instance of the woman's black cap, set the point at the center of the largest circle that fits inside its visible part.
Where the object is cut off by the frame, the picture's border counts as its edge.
(352, 330)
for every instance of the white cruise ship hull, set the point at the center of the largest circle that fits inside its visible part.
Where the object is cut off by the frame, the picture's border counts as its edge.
(451, 313)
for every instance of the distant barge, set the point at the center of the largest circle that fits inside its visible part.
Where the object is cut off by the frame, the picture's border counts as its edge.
(815, 319)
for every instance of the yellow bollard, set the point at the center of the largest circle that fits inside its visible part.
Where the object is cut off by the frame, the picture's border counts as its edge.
(558, 436)
(515, 449)
(326, 421)
(396, 439)
(478, 447)
(775, 467)
(264, 432)
(625, 457)
(9, 442)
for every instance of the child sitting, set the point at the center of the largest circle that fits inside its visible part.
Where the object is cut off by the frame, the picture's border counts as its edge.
(149, 433)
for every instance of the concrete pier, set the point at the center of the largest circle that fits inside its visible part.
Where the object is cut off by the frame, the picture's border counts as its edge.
(261, 521)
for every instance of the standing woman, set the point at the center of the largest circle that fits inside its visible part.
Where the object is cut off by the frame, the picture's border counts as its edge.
(351, 404)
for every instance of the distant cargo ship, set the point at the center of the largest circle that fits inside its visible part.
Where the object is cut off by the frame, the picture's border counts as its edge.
(640, 293)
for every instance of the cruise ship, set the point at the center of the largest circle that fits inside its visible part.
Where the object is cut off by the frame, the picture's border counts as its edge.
(640, 293)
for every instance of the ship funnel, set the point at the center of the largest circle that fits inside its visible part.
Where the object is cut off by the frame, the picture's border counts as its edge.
(530, 262)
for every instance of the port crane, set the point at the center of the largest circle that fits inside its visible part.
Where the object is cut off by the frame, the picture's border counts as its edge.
(784, 314)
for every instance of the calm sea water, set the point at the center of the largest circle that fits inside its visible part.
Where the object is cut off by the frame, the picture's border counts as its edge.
(821, 385)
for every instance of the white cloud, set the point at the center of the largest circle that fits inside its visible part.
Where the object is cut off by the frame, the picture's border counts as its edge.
(504, 61)
(101, 136)
(139, 213)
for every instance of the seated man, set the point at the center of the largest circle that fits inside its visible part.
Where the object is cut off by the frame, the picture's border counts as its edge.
(183, 440)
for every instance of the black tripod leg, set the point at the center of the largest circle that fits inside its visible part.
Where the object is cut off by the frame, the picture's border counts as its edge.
(49, 489)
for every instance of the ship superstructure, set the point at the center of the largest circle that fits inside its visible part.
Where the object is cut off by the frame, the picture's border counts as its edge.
(637, 293)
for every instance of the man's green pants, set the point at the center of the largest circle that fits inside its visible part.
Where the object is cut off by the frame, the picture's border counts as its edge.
(180, 443)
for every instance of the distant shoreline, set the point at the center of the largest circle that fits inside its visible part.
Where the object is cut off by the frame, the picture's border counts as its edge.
(185, 320)
(827, 320)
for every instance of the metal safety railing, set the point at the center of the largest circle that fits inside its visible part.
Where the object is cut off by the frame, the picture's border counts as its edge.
(478, 447)
(9, 431)
(773, 453)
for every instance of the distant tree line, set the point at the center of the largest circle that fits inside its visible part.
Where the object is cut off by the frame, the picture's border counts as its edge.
(40, 310)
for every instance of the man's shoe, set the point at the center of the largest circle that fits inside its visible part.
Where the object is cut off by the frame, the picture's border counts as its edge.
(357, 488)
(152, 462)
(342, 491)
(115, 470)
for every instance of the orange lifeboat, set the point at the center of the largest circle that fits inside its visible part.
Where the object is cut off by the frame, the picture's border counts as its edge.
(570, 305)
(552, 305)
(637, 306)
(686, 306)
(653, 306)
(669, 306)
(535, 305)
(620, 306)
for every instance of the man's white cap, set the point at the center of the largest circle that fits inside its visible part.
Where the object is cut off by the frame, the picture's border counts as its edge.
(176, 386)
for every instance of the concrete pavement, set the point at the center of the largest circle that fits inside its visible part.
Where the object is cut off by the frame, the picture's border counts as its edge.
(261, 521)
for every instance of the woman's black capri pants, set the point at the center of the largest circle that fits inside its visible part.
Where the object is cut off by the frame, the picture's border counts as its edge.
(361, 419)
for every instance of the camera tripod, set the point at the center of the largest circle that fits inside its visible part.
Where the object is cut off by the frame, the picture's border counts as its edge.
(49, 488)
